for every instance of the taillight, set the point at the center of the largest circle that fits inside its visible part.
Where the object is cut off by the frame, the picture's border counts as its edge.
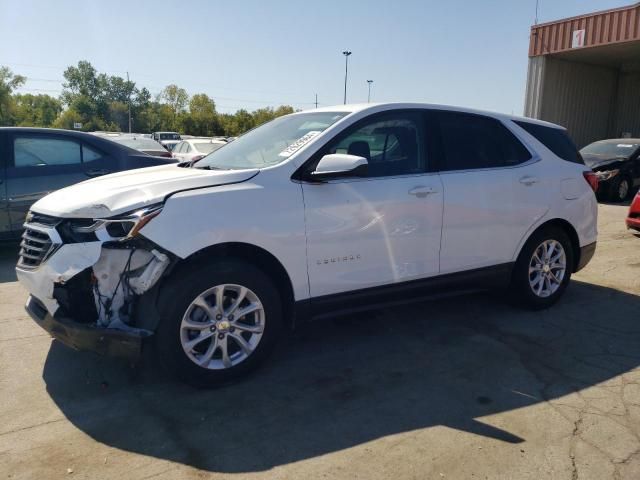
(592, 180)
(197, 157)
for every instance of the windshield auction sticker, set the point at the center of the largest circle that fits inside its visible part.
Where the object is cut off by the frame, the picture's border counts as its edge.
(298, 144)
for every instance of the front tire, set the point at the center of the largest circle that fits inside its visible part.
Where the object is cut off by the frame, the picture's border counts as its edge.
(620, 189)
(543, 269)
(222, 321)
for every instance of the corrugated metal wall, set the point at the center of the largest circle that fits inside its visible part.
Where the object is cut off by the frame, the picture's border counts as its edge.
(601, 28)
(575, 95)
(627, 115)
(535, 80)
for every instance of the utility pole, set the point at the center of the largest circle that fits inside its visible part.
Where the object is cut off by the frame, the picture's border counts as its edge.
(316, 100)
(129, 102)
(346, 54)
(369, 96)
(536, 21)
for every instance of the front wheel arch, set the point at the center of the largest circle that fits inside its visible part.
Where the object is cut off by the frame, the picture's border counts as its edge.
(248, 253)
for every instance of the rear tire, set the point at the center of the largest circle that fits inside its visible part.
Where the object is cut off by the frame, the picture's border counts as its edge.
(543, 269)
(207, 336)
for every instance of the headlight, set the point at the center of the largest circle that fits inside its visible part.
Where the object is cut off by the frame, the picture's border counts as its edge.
(607, 175)
(122, 227)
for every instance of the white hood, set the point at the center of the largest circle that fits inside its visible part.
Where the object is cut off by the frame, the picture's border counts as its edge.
(124, 191)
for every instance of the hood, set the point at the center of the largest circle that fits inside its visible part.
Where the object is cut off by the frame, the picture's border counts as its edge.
(121, 192)
(595, 161)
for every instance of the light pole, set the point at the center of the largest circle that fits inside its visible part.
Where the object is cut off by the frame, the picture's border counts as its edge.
(369, 96)
(346, 54)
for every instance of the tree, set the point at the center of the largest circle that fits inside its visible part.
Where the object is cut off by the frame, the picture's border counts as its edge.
(8, 83)
(176, 97)
(202, 119)
(36, 110)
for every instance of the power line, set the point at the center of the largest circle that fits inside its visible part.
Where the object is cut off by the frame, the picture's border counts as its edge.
(138, 74)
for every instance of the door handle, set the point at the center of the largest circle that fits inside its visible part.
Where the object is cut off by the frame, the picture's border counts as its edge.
(422, 191)
(528, 180)
(96, 172)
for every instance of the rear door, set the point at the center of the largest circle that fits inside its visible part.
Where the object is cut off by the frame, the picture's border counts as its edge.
(494, 190)
(39, 164)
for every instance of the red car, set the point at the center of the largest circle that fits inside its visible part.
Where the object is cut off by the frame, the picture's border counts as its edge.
(633, 219)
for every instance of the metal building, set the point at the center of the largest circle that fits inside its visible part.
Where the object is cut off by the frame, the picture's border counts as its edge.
(584, 73)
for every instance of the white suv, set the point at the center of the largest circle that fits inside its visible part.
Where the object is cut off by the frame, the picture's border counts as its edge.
(317, 213)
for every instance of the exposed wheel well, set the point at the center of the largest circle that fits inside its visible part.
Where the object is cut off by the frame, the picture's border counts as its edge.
(571, 233)
(257, 256)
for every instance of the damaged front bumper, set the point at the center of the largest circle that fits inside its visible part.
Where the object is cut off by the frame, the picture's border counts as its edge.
(85, 293)
(87, 337)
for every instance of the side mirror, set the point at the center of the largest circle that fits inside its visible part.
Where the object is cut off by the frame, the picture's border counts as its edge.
(338, 165)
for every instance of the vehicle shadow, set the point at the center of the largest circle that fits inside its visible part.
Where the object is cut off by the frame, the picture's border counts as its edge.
(8, 259)
(343, 382)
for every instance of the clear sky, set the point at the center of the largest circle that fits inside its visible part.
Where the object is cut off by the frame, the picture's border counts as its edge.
(251, 54)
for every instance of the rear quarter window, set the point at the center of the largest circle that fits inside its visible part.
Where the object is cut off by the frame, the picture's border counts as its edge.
(555, 139)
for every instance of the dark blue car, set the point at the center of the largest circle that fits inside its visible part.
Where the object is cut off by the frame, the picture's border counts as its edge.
(37, 161)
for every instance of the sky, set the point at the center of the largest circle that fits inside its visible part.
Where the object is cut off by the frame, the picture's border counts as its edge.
(252, 54)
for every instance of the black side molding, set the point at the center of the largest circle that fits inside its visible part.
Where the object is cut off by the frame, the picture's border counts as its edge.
(453, 284)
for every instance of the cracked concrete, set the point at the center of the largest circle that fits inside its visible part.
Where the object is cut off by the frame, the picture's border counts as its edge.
(459, 388)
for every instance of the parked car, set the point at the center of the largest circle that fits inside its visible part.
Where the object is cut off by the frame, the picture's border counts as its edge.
(144, 145)
(170, 144)
(617, 165)
(328, 211)
(633, 217)
(164, 137)
(194, 150)
(37, 161)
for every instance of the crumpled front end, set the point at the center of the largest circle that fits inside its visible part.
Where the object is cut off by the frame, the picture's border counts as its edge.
(85, 277)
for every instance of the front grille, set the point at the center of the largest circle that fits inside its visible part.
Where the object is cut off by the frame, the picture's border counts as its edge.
(39, 240)
(34, 248)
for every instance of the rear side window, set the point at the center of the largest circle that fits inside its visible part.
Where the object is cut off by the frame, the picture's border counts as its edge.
(472, 141)
(555, 139)
(41, 151)
(89, 154)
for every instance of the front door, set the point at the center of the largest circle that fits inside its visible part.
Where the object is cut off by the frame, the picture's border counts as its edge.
(39, 164)
(381, 229)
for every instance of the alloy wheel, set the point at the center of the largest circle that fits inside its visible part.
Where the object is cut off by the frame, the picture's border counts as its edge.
(222, 326)
(623, 189)
(547, 268)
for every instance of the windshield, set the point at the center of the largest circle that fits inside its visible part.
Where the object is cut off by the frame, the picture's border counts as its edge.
(271, 143)
(207, 147)
(611, 149)
(169, 136)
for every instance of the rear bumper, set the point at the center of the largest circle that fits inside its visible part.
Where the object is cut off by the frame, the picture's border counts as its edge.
(633, 223)
(85, 337)
(586, 254)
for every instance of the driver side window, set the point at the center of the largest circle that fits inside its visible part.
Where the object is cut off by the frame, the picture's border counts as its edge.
(393, 144)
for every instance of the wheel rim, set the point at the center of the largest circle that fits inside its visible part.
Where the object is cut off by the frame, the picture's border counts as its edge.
(547, 268)
(222, 326)
(623, 189)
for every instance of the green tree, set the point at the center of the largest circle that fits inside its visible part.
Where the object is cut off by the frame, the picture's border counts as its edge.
(176, 97)
(8, 83)
(202, 118)
(36, 110)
